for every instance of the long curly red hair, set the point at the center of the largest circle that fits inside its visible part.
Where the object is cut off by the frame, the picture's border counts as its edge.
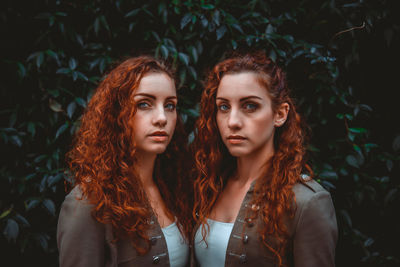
(214, 165)
(102, 157)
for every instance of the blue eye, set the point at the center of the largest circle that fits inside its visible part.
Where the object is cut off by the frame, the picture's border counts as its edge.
(143, 105)
(223, 107)
(170, 106)
(250, 107)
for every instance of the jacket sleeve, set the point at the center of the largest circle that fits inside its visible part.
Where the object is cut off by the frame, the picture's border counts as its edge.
(80, 238)
(316, 233)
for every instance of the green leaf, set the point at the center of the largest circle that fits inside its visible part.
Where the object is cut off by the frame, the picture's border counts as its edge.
(221, 32)
(61, 129)
(16, 140)
(237, 27)
(328, 175)
(184, 58)
(54, 105)
(185, 20)
(22, 220)
(21, 70)
(346, 217)
(96, 25)
(71, 109)
(31, 128)
(192, 72)
(194, 54)
(132, 13)
(352, 161)
(80, 102)
(72, 63)
(39, 59)
(32, 204)
(11, 230)
(390, 196)
(5, 213)
(358, 130)
(63, 70)
(396, 143)
(164, 51)
(207, 6)
(42, 240)
(49, 205)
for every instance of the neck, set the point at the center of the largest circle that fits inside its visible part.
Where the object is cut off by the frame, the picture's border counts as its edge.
(145, 168)
(251, 167)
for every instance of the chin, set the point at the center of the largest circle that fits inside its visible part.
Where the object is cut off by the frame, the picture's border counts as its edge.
(155, 149)
(238, 151)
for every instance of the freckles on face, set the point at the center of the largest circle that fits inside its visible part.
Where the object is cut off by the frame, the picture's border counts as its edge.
(245, 117)
(155, 118)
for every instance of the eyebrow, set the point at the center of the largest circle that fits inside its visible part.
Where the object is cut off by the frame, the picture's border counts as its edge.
(242, 99)
(153, 97)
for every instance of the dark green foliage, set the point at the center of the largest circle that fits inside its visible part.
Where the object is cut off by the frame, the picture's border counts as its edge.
(54, 53)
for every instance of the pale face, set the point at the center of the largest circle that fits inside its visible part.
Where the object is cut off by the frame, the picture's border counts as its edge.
(245, 118)
(155, 118)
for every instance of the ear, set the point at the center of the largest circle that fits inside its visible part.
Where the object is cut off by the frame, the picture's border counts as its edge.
(281, 115)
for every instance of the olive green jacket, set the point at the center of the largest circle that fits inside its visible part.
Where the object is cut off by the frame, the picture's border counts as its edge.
(313, 232)
(84, 242)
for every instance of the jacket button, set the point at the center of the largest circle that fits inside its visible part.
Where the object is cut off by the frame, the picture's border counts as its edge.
(156, 259)
(243, 258)
(245, 239)
(249, 222)
(153, 240)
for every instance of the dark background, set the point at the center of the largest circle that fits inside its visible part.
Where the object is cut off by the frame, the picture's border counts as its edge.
(341, 58)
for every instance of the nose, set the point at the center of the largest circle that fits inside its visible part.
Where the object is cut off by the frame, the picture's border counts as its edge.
(234, 120)
(160, 118)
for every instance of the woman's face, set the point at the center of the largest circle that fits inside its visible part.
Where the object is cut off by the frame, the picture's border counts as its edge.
(155, 118)
(245, 118)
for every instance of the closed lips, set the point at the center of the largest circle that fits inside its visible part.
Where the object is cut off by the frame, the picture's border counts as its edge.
(236, 137)
(159, 133)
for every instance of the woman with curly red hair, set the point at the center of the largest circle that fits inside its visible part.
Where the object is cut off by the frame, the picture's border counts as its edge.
(128, 206)
(253, 201)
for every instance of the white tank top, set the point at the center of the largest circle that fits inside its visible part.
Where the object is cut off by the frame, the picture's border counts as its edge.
(217, 240)
(178, 248)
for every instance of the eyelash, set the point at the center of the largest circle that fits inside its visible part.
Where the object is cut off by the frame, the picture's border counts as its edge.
(245, 106)
(252, 109)
(145, 105)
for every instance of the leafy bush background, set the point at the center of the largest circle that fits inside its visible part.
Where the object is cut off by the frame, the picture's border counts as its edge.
(337, 56)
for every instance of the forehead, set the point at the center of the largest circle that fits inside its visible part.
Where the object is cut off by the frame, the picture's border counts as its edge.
(240, 85)
(156, 83)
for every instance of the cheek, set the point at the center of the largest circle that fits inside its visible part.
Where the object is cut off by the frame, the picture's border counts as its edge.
(263, 125)
(171, 120)
(220, 123)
